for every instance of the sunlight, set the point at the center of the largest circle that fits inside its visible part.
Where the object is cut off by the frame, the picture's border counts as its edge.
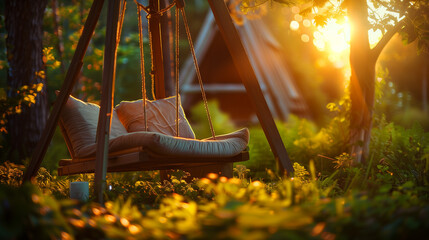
(334, 36)
(333, 39)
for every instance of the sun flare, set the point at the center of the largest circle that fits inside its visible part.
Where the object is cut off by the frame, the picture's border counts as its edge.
(334, 36)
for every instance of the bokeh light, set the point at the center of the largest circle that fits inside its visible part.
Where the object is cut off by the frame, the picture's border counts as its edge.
(294, 25)
(305, 38)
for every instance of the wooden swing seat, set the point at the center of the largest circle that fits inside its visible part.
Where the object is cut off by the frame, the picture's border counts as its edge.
(140, 159)
(136, 150)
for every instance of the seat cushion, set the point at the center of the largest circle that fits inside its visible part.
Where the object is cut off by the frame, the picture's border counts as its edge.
(80, 119)
(161, 117)
(227, 145)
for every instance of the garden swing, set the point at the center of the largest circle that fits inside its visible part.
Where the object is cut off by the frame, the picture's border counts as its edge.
(142, 146)
(165, 151)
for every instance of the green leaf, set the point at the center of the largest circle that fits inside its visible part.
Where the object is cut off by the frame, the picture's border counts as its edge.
(320, 20)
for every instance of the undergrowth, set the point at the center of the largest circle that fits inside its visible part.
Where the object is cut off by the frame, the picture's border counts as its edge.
(307, 206)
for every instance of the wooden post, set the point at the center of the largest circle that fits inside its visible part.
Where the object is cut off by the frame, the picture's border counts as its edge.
(156, 42)
(250, 82)
(69, 82)
(108, 92)
(167, 53)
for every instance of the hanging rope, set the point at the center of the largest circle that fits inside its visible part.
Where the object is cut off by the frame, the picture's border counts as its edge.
(150, 13)
(177, 68)
(142, 69)
(160, 12)
(146, 9)
(121, 21)
(152, 73)
(197, 69)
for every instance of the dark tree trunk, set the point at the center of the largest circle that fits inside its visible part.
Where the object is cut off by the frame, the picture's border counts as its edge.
(24, 19)
(58, 33)
(425, 84)
(362, 81)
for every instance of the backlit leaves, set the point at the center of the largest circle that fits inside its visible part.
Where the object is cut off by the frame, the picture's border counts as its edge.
(25, 96)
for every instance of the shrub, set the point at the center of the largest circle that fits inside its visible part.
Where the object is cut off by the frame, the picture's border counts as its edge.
(402, 152)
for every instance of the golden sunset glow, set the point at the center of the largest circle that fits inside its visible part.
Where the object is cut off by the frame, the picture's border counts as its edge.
(334, 37)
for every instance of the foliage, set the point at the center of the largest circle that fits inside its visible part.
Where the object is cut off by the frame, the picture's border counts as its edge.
(222, 124)
(28, 214)
(300, 208)
(383, 15)
(403, 152)
(395, 106)
(304, 141)
(26, 96)
(389, 102)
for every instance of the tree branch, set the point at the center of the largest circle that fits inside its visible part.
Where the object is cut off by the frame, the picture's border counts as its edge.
(375, 52)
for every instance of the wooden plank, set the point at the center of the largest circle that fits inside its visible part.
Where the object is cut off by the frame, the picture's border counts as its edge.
(214, 88)
(69, 82)
(111, 154)
(244, 67)
(144, 156)
(108, 92)
(156, 41)
(143, 161)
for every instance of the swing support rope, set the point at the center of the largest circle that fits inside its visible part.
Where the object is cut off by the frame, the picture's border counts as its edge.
(179, 9)
(142, 68)
(176, 42)
(121, 21)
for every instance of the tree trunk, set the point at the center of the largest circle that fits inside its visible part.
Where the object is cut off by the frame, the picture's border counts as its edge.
(24, 19)
(425, 84)
(58, 33)
(362, 81)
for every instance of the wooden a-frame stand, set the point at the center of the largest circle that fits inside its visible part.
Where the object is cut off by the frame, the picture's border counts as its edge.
(232, 40)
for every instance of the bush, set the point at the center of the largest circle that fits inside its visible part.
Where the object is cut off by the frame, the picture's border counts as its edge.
(403, 152)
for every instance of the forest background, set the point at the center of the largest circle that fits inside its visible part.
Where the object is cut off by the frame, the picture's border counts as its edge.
(320, 74)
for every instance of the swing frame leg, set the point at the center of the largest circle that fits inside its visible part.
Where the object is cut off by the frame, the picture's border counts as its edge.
(250, 82)
(109, 70)
(107, 95)
(69, 82)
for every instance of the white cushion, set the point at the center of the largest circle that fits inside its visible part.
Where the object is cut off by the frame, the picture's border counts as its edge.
(161, 117)
(80, 120)
(227, 145)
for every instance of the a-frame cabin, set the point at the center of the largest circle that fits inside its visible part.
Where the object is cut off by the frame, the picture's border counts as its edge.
(222, 80)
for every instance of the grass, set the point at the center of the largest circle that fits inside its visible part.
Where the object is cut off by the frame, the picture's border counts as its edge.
(349, 203)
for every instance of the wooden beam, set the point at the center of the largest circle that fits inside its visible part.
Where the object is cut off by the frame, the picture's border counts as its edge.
(167, 47)
(156, 42)
(69, 82)
(108, 92)
(143, 161)
(214, 88)
(248, 77)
